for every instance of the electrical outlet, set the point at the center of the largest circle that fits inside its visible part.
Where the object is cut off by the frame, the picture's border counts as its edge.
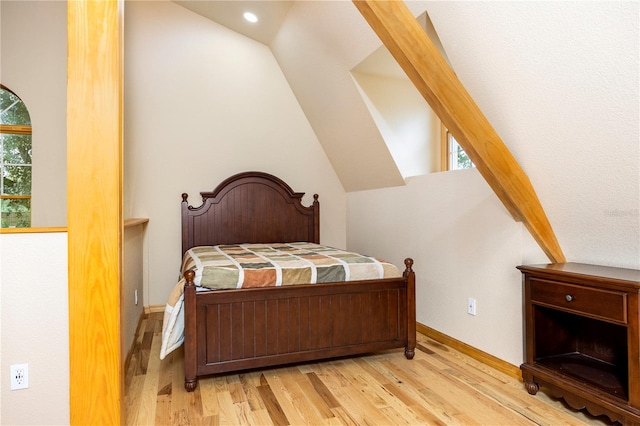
(471, 306)
(19, 376)
(135, 296)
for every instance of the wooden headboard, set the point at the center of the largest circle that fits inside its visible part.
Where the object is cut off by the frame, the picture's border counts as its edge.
(250, 207)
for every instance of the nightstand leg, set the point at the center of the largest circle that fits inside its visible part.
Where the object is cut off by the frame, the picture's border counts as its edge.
(529, 383)
(531, 387)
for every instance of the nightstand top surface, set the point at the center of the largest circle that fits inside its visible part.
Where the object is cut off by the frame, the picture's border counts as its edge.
(631, 276)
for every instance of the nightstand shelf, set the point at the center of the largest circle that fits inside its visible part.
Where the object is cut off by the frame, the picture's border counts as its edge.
(593, 372)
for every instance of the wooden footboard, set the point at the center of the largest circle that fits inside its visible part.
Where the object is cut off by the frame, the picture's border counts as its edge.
(231, 330)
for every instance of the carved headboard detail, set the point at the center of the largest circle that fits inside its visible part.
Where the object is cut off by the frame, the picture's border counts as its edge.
(250, 207)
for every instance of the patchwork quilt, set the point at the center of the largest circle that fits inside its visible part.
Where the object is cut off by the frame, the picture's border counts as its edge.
(264, 265)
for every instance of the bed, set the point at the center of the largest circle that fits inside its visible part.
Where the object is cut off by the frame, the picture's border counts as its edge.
(247, 328)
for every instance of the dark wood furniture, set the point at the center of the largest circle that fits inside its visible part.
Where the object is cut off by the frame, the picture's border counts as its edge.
(581, 337)
(229, 330)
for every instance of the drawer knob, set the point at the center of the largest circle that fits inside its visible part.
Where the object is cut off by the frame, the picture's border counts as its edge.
(568, 298)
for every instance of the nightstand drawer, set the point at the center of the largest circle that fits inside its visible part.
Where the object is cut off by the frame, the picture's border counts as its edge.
(610, 305)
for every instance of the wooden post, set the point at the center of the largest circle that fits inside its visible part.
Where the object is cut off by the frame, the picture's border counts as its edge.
(94, 203)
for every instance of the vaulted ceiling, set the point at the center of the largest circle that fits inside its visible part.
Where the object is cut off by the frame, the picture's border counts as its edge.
(271, 14)
(308, 41)
(316, 33)
(557, 80)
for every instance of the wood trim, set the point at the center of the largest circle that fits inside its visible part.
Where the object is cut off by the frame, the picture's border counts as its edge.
(15, 197)
(94, 204)
(129, 223)
(477, 354)
(152, 309)
(15, 129)
(435, 80)
(32, 230)
(444, 148)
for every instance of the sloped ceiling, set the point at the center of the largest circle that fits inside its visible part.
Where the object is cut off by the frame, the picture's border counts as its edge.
(317, 46)
(557, 80)
(230, 14)
(311, 50)
(308, 40)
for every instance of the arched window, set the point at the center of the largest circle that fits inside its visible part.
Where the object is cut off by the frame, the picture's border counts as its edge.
(15, 162)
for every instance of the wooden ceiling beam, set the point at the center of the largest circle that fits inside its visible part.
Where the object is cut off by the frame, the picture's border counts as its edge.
(409, 44)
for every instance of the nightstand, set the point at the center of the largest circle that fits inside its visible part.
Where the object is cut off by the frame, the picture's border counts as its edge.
(581, 337)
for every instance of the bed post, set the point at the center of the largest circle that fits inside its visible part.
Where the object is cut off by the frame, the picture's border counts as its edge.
(316, 220)
(189, 307)
(410, 278)
(187, 233)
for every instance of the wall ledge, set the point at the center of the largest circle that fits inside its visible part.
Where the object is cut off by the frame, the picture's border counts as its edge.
(32, 230)
(128, 223)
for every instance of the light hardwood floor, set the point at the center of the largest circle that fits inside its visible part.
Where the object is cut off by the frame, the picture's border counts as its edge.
(440, 386)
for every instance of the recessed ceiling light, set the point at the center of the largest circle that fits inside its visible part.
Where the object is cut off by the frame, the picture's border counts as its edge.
(251, 17)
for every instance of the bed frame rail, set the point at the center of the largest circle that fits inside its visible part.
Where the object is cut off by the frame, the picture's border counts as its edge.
(255, 328)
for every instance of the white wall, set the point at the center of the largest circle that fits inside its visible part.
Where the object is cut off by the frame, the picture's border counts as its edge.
(33, 64)
(408, 125)
(34, 327)
(559, 82)
(203, 103)
(33, 299)
(464, 244)
(135, 272)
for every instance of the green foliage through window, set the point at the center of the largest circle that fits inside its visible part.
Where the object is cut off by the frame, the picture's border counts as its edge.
(458, 159)
(15, 161)
(16, 213)
(12, 109)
